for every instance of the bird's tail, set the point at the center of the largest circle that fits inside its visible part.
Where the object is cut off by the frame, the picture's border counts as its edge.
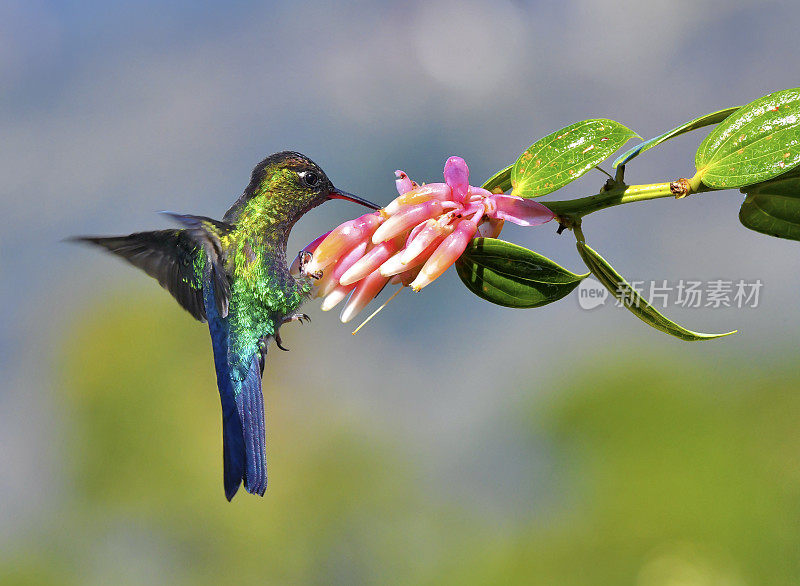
(250, 401)
(243, 431)
(233, 450)
(239, 383)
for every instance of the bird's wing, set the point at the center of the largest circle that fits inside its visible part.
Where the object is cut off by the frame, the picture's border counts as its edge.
(207, 233)
(169, 256)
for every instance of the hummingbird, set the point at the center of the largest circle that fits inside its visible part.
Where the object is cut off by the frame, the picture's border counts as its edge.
(233, 274)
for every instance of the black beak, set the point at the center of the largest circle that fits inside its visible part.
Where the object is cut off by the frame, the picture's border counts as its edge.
(339, 194)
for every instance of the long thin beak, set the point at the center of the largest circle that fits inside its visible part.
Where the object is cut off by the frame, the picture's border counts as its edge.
(339, 194)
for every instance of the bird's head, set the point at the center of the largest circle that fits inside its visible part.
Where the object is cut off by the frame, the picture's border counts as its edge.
(288, 184)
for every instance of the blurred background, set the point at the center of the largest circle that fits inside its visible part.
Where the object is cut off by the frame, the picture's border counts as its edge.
(450, 441)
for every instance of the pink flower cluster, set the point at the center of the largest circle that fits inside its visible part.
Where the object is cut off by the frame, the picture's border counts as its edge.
(412, 240)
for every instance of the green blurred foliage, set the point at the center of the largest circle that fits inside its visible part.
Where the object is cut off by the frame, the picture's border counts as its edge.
(679, 475)
(668, 474)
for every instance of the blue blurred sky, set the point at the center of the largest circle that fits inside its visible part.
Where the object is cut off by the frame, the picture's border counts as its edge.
(112, 111)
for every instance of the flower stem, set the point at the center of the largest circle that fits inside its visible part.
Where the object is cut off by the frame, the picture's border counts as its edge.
(614, 197)
(570, 211)
(574, 209)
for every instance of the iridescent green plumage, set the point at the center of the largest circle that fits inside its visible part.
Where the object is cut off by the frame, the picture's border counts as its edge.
(233, 274)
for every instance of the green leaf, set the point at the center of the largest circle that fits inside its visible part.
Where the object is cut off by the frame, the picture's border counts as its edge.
(773, 208)
(513, 276)
(758, 142)
(622, 290)
(501, 179)
(561, 157)
(700, 122)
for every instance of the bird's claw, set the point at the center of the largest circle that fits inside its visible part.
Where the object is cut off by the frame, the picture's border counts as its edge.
(305, 258)
(296, 317)
(278, 342)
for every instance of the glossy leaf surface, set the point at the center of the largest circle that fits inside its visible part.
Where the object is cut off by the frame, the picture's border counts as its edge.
(623, 291)
(513, 276)
(758, 142)
(773, 208)
(563, 156)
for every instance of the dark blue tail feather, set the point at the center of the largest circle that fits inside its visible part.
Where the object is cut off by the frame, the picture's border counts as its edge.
(250, 402)
(243, 430)
(233, 450)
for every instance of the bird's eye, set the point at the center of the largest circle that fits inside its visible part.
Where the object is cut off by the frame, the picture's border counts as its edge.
(309, 178)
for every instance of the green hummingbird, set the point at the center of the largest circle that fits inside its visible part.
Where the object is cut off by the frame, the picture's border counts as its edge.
(234, 275)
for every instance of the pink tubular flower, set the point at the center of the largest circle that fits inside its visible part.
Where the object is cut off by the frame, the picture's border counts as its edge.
(411, 241)
(332, 277)
(342, 239)
(445, 254)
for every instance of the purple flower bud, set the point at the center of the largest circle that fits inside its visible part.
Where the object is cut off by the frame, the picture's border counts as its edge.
(456, 175)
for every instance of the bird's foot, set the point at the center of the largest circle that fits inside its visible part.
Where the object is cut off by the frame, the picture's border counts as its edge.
(305, 258)
(278, 342)
(298, 317)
